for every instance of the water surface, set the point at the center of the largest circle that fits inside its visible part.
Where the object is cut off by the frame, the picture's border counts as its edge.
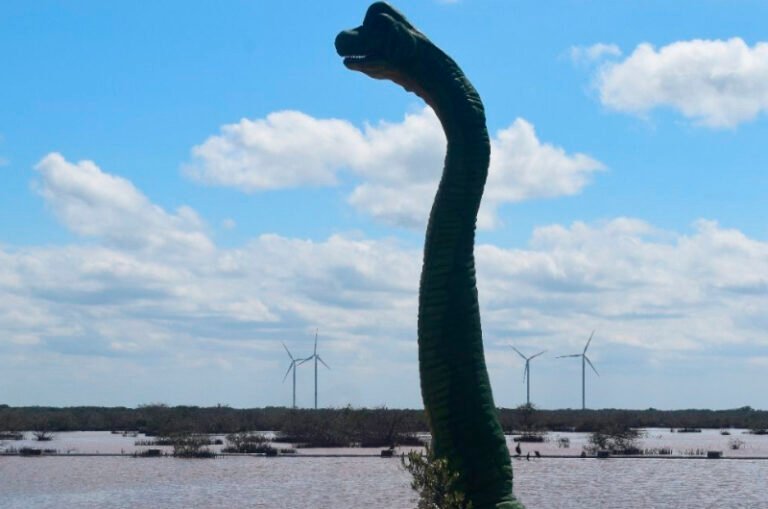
(310, 482)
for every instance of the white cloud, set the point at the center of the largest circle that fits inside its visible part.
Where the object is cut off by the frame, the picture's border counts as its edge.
(636, 285)
(286, 149)
(593, 53)
(522, 167)
(640, 287)
(717, 83)
(96, 204)
(398, 164)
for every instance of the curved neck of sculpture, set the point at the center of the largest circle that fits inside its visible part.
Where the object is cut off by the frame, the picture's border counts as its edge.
(455, 385)
(454, 380)
(443, 85)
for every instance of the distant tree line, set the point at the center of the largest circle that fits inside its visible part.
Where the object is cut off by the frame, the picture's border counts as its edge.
(528, 418)
(364, 426)
(318, 428)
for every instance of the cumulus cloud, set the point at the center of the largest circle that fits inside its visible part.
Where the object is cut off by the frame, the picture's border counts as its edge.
(286, 149)
(522, 167)
(398, 164)
(716, 83)
(228, 308)
(639, 285)
(93, 203)
(593, 53)
(112, 302)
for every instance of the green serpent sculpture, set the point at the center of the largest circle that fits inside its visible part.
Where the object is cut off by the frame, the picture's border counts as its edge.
(454, 380)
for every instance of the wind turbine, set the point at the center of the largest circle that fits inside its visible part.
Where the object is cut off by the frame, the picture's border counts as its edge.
(316, 358)
(584, 361)
(527, 373)
(292, 366)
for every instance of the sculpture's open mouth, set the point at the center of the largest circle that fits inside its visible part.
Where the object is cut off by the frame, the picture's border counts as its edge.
(363, 62)
(381, 47)
(357, 56)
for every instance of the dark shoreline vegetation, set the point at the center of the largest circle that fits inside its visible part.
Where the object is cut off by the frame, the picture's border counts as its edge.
(344, 427)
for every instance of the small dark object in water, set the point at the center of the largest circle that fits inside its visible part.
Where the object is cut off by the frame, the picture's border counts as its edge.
(538, 455)
(529, 438)
(387, 453)
(43, 436)
(714, 455)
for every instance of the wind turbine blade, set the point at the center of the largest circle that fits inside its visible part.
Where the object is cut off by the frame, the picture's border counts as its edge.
(591, 365)
(302, 361)
(588, 342)
(315, 342)
(290, 367)
(520, 354)
(525, 372)
(323, 362)
(573, 355)
(287, 351)
(533, 357)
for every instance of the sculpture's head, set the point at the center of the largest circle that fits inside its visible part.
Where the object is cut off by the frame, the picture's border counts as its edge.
(385, 46)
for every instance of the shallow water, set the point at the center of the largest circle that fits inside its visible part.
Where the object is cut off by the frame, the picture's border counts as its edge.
(681, 444)
(654, 438)
(375, 483)
(233, 482)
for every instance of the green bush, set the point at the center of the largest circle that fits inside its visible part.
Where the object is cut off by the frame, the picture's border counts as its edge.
(434, 481)
(616, 438)
(191, 446)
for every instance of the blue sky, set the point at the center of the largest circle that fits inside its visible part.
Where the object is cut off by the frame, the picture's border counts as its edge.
(185, 186)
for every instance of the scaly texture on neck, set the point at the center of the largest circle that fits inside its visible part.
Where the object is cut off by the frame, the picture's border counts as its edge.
(454, 379)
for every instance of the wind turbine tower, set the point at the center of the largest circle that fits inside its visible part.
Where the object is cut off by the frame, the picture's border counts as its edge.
(292, 366)
(316, 357)
(527, 373)
(584, 361)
